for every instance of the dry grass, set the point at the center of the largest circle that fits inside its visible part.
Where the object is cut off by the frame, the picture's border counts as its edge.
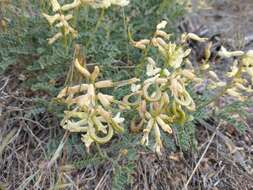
(25, 164)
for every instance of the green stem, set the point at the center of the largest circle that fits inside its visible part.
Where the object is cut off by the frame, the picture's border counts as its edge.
(126, 33)
(103, 155)
(100, 19)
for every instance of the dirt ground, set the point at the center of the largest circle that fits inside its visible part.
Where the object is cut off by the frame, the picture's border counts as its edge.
(232, 20)
(226, 164)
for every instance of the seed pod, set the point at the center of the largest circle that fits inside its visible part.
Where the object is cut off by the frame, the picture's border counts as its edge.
(142, 108)
(161, 42)
(183, 98)
(100, 140)
(227, 54)
(142, 44)
(75, 127)
(151, 98)
(204, 67)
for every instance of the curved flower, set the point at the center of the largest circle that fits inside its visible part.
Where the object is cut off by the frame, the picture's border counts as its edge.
(180, 94)
(154, 122)
(227, 54)
(92, 114)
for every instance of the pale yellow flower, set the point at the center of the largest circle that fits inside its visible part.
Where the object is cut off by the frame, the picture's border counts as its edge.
(234, 93)
(120, 3)
(234, 70)
(146, 131)
(227, 54)
(105, 99)
(80, 126)
(51, 19)
(135, 87)
(118, 118)
(142, 44)
(213, 75)
(165, 127)
(162, 25)
(74, 4)
(55, 5)
(87, 140)
(107, 3)
(55, 38)
(196, 37)
(152, 70)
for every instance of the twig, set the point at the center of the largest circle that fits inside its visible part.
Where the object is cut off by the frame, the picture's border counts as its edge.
(58, 150)
(201, 158)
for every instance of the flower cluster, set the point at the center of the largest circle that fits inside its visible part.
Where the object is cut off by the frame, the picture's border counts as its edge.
(61, 20)
(91, 110)
(162, 98)
(237, 82)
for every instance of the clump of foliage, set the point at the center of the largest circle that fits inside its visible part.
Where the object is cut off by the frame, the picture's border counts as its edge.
(42, 67)
(93, 109)
(160, 97)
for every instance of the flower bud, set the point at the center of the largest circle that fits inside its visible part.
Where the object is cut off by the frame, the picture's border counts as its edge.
(162, 25)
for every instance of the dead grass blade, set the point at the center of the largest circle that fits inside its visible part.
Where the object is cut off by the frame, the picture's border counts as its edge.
(7, 140)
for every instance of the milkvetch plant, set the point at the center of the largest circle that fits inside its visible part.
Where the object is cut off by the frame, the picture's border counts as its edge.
(161, 97)
(168, 101)
(91, 111)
